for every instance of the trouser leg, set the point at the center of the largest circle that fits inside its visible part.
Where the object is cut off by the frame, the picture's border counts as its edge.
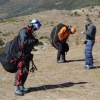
(88, 53)
(24, 78)
(20, 78)
(21, 74)
(60, 47)
(61, 51)
(63, 57)
(25, 74)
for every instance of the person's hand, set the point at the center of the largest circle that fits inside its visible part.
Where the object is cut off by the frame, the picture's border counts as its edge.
(36, 41)
(82, 32)
(64, 41)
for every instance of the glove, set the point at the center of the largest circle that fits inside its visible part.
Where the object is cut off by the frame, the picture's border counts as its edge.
(85, 42)
(36, 41)
(29, 56)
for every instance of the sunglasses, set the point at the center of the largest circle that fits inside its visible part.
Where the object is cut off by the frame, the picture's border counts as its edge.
(34, 29)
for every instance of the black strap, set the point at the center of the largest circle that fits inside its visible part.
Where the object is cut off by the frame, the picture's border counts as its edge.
(33, 68)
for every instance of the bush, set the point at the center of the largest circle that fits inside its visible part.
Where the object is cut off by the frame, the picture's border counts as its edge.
(6, 34)
(1, 42)
(40, 43)
(44, 37)
(1, 50)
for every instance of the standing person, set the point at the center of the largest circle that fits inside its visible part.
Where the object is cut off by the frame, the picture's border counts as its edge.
(90, 41)
(27, 41)
(59, 36)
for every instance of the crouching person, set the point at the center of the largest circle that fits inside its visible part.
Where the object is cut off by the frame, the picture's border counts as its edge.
(59, 36)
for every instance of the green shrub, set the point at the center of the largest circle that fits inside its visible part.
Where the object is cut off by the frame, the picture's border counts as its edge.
(44, 37)
(87, 15)
(40, 43)
(1, 50)
(6, 34)
(1, 42)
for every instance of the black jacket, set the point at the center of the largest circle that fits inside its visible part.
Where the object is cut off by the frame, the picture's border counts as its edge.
(27, 40)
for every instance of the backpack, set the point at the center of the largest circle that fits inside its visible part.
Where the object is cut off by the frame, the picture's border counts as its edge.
(54, 36)
(10, 56)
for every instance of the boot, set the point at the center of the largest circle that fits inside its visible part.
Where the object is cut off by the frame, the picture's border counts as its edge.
(60, 61)
(58, 57)
(17, 91)
(22, 89)
(63, 58)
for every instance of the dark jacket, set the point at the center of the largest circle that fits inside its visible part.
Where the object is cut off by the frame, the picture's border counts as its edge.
(90, 32)
(27, 40)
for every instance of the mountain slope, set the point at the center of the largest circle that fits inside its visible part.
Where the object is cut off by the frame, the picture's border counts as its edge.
(9, 8)
(3, 1)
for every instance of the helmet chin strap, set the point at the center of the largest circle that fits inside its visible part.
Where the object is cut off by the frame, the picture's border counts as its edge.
(34, 29)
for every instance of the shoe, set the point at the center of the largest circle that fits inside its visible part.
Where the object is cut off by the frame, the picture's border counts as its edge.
(65, 61)
(22, 89)
(60, 61)
(17, 91)
(87, 67)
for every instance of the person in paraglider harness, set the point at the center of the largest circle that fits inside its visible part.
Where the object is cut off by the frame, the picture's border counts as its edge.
(27, 41)
(59, 36)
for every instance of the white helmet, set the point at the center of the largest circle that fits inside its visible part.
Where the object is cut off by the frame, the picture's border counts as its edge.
(35, 24)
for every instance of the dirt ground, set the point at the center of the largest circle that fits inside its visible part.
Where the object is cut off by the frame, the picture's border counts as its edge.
(53, 81)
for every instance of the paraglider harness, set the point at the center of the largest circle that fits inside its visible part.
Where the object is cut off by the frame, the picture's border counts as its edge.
(54, 40)
(33, 68)
(26, 57)
(13, 55)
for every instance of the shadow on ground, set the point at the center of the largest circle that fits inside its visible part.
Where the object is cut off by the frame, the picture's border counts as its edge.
(46, 87)
(76, 60)
(96, 67)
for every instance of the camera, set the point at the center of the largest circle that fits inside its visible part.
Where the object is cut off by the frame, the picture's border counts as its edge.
(85, 41)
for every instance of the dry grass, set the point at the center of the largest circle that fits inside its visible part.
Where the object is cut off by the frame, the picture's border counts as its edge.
(53, 81)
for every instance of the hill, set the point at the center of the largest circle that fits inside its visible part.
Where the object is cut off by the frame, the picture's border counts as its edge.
(53, 81)
(11, 26)
(10, 8)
